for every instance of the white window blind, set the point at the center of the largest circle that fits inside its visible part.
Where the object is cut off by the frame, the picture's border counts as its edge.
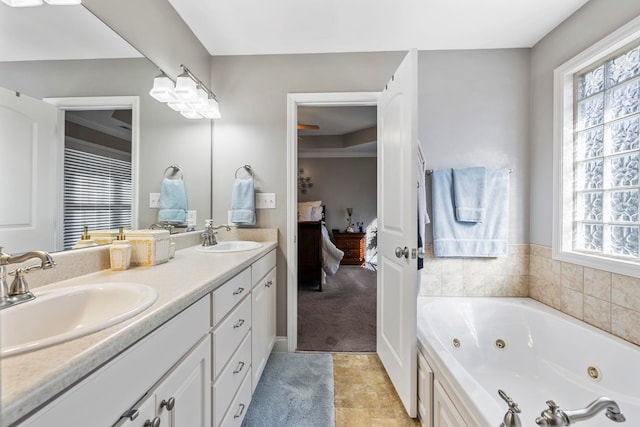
(97, 193)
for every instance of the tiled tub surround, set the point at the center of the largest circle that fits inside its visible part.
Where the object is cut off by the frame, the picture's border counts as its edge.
(31, 379)
(605, 300)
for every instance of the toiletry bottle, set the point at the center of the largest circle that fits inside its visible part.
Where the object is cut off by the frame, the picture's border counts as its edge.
(120, 252)
(85, 241)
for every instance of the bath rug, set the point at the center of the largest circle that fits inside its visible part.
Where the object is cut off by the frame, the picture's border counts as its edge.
(296, 389)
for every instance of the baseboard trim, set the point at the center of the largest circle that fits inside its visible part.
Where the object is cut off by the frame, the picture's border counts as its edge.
(281, 345)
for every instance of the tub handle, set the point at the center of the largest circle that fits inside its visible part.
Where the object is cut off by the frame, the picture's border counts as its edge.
(511, 418)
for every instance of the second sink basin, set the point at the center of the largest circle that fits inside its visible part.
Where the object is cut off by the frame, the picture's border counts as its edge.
(62, 314)
(231, 246)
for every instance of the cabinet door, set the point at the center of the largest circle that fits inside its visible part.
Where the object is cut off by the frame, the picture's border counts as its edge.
(183, 399)
(445, 413)
(263, 326)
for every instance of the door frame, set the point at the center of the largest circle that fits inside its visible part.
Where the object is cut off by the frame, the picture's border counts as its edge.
(98, 103)
(294, 100)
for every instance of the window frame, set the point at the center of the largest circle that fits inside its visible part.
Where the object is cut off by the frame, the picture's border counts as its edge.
(563, 128)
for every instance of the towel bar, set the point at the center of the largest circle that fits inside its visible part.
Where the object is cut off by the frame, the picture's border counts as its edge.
(247, 168)
(176, 169)
(430, 171)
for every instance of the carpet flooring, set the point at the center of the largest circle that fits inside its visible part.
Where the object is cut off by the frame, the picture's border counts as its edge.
(295, 389)
(341, 318)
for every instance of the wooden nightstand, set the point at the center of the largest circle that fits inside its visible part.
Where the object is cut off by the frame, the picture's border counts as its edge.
(352, 244)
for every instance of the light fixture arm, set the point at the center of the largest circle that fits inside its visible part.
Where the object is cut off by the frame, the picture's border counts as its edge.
(198, 82)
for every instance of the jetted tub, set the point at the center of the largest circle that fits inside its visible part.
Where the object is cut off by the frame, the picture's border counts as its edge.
(534, 353)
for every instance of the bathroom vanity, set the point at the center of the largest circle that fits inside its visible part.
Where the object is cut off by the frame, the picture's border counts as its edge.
(193, 358)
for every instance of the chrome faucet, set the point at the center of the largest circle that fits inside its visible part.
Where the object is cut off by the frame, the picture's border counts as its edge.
(19, 291)
(554, 416)
(209, 236)
(511, 418)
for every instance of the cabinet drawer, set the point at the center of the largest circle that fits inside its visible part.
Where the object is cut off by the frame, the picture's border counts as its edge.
(229, 334)
(263, 266)
(230, 294)
(240, 405)
(349, 244)
(230, 379)
(352, 253)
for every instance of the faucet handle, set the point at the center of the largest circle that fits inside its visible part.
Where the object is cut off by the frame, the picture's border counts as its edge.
(512, 405)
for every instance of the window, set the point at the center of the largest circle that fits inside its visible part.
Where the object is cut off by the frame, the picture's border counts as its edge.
(597, 218)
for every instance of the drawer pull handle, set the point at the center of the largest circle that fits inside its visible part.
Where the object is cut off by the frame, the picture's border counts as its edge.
(169, 404)
(240, 323)
(152, 423)
(240, 411)
(238, 291)
(269, 283)
(239, 368)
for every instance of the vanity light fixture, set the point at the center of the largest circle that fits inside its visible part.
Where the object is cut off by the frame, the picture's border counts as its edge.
(189, 96)
(29, 3)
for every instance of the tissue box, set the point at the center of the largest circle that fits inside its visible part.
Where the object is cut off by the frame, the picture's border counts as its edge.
(149, 247)
(103, 237)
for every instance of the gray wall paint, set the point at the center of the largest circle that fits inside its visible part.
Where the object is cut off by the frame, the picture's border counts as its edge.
(165, 136)
(473, 106)
(343, 183)
(474, 111)
(253, 100)
(588, 25)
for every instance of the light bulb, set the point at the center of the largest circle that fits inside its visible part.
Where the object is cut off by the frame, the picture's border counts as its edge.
(162, 89)
(190, 114)
(186, 87)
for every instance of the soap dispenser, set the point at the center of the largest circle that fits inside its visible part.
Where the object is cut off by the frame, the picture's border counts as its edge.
(120, 252)
(85, 241)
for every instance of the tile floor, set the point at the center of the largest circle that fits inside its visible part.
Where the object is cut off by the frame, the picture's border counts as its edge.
(364, 395)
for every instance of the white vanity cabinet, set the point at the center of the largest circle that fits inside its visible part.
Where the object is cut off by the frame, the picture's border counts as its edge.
(181, 398)
(104, 396)
(263, 309)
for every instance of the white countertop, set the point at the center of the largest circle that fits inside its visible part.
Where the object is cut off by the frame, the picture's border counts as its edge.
(29, 380)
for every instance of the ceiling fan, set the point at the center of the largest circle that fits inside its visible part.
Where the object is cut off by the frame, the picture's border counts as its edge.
(302, 126)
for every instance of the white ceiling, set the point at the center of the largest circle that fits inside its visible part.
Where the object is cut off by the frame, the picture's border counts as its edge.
(57, 32)
(336, 120)
(255, 27)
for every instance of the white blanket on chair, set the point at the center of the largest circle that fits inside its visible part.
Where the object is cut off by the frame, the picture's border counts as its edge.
(331, 255)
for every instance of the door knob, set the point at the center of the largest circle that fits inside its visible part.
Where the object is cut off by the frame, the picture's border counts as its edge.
(400, 252)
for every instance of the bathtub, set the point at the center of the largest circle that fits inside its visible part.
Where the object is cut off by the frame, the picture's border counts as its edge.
(534, 353)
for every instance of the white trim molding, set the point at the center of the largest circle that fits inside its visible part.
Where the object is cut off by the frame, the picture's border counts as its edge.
(563, 134)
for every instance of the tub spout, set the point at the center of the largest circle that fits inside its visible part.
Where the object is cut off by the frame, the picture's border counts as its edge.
(554, 416)
(595, 407)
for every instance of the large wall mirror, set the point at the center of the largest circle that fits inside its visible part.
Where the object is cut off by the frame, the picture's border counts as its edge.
(63, 58)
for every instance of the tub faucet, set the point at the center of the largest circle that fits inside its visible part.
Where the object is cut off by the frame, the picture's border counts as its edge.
(554, 416)
(511, 418)
(19, 291)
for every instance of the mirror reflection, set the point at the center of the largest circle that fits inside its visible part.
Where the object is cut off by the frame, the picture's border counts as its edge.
(56, 56)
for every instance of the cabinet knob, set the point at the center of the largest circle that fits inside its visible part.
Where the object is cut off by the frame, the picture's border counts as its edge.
(169, 404)
(152, 423)
(269, 283)
(239, 368)
(240, 323)
(238, 291)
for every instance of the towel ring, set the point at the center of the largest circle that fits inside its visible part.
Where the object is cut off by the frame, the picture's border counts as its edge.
(175, 170)
(247, 168)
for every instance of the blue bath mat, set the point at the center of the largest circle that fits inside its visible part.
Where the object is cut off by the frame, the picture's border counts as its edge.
(296, 389)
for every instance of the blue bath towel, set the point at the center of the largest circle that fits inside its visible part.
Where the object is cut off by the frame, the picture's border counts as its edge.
(243, 209)
(173, 201)
(469, 192)
(452, 238)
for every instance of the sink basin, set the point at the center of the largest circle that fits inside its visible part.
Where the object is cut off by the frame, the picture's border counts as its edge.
(62, 314)
(231, 246)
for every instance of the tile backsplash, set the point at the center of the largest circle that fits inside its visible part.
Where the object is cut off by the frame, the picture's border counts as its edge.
(605, 300)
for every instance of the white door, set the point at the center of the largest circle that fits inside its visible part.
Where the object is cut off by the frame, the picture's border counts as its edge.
(397, 229)
(28, 210)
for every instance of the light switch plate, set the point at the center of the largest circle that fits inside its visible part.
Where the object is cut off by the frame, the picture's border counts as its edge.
(192, 217)
(154, 200)
(265, 200)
